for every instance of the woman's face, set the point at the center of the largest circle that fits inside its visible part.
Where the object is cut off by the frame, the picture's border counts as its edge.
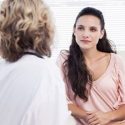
(88, 31)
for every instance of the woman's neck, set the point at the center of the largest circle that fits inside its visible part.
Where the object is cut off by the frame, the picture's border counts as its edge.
(92, 56)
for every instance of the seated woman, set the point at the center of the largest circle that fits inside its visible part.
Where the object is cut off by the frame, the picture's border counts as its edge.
(93, 73)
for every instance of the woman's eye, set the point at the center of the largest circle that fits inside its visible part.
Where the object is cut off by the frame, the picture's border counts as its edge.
(80, 28)
(93, 29)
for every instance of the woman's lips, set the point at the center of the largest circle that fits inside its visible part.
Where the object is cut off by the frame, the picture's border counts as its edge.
(85, 41)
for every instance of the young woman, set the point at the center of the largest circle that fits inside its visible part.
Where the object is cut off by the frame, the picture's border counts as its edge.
(93, 73)
(30, 93)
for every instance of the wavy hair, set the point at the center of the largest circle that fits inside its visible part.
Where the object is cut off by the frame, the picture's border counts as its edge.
(78, 74)
(25, 24)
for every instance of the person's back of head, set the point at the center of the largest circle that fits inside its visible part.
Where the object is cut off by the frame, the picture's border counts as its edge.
(24, 25)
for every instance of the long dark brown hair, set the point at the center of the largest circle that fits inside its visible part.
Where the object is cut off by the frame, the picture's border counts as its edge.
(78, 74)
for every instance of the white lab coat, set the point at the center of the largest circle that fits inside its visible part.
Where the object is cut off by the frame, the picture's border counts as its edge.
(31, 93)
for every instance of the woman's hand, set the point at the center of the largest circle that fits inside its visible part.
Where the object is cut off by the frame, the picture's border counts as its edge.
(98, 118)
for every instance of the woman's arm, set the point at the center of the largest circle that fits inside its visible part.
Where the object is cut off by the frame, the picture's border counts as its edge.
(105, 118)
(77, 111)
(118, 123)
(118, 115)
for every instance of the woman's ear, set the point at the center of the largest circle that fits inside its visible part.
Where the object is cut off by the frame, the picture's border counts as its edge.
(102, 34)
(74, 31)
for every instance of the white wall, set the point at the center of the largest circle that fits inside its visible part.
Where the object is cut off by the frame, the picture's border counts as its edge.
(65, 11)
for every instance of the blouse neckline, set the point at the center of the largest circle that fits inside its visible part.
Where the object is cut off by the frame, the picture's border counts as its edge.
(106, 71)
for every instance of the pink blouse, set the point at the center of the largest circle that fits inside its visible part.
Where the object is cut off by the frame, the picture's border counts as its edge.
(107, 92)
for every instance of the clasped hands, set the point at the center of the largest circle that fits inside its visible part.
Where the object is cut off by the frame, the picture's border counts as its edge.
(97, 118)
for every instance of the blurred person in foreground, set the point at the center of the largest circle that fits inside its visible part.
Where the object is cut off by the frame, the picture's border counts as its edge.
(31, 90)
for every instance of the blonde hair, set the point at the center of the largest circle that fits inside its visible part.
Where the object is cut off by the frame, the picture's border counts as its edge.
(25, 24)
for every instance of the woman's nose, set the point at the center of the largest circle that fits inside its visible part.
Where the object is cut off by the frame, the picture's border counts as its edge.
(85, 37)
(85, 34)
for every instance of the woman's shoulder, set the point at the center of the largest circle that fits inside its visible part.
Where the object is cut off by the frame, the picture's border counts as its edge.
(118, 60)
(117, 57)
(63, 56)
(64, 53)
